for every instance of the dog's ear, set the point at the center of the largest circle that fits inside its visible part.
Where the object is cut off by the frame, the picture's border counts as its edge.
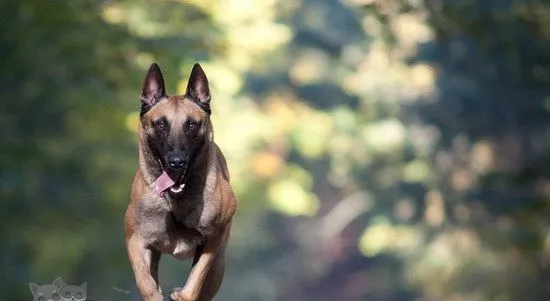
(197, 88)
(153, 88)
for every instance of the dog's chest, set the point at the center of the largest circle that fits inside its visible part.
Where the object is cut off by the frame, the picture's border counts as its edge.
(179, 241)
(168, 234)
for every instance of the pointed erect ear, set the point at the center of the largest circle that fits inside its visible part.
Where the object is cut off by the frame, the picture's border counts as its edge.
(153, 88)
(59, 282)
(197, 88)
(33, 288)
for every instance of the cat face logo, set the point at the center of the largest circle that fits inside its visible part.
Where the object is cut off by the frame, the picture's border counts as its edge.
(58, 291)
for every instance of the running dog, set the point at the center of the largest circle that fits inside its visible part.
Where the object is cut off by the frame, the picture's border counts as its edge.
(182, 202)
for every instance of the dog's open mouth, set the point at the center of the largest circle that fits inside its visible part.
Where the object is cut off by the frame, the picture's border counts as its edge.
(165, 183)
(180, 183)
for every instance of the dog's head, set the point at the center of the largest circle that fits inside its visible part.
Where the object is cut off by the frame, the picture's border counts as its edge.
(174, 129)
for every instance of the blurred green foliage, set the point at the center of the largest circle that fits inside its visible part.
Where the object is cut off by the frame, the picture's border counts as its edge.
(380, 149)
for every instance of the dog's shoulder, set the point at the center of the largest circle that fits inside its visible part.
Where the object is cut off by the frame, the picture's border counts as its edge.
(144, 204)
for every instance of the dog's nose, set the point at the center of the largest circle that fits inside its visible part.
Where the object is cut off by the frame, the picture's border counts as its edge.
(176, 161)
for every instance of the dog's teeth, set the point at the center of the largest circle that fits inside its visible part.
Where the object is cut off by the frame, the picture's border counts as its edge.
(177, 189)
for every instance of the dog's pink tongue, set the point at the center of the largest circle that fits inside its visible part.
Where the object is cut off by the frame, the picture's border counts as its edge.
(162, 183)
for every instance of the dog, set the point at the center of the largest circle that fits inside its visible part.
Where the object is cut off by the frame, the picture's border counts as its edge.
(182, 202)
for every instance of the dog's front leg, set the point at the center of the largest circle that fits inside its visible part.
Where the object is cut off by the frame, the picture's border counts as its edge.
(145, 262)
(207, 273)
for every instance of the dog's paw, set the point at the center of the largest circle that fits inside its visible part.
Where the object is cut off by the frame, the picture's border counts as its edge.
(175, 294)
(179, 294)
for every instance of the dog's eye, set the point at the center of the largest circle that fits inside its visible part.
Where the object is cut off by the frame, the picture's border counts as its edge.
(192, 125)
(160, 125)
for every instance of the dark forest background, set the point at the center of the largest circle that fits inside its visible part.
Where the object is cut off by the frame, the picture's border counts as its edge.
(380, 149)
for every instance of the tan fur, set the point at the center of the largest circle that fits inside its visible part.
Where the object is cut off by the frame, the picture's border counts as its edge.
(197, 225)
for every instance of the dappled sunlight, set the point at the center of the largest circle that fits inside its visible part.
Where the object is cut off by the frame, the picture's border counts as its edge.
(417, 171)
(381, 237)
(386, 136)
(224, 80)
(311, 135)
(410, 30)
(311, 66)
(250, 29)
(290, 198)
(422, 77)
(455, 256)
(113, 13)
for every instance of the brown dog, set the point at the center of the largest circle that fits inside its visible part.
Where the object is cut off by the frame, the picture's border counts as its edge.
(182, 202)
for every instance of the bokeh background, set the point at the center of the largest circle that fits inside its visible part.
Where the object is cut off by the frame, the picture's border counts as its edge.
(380, 149)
